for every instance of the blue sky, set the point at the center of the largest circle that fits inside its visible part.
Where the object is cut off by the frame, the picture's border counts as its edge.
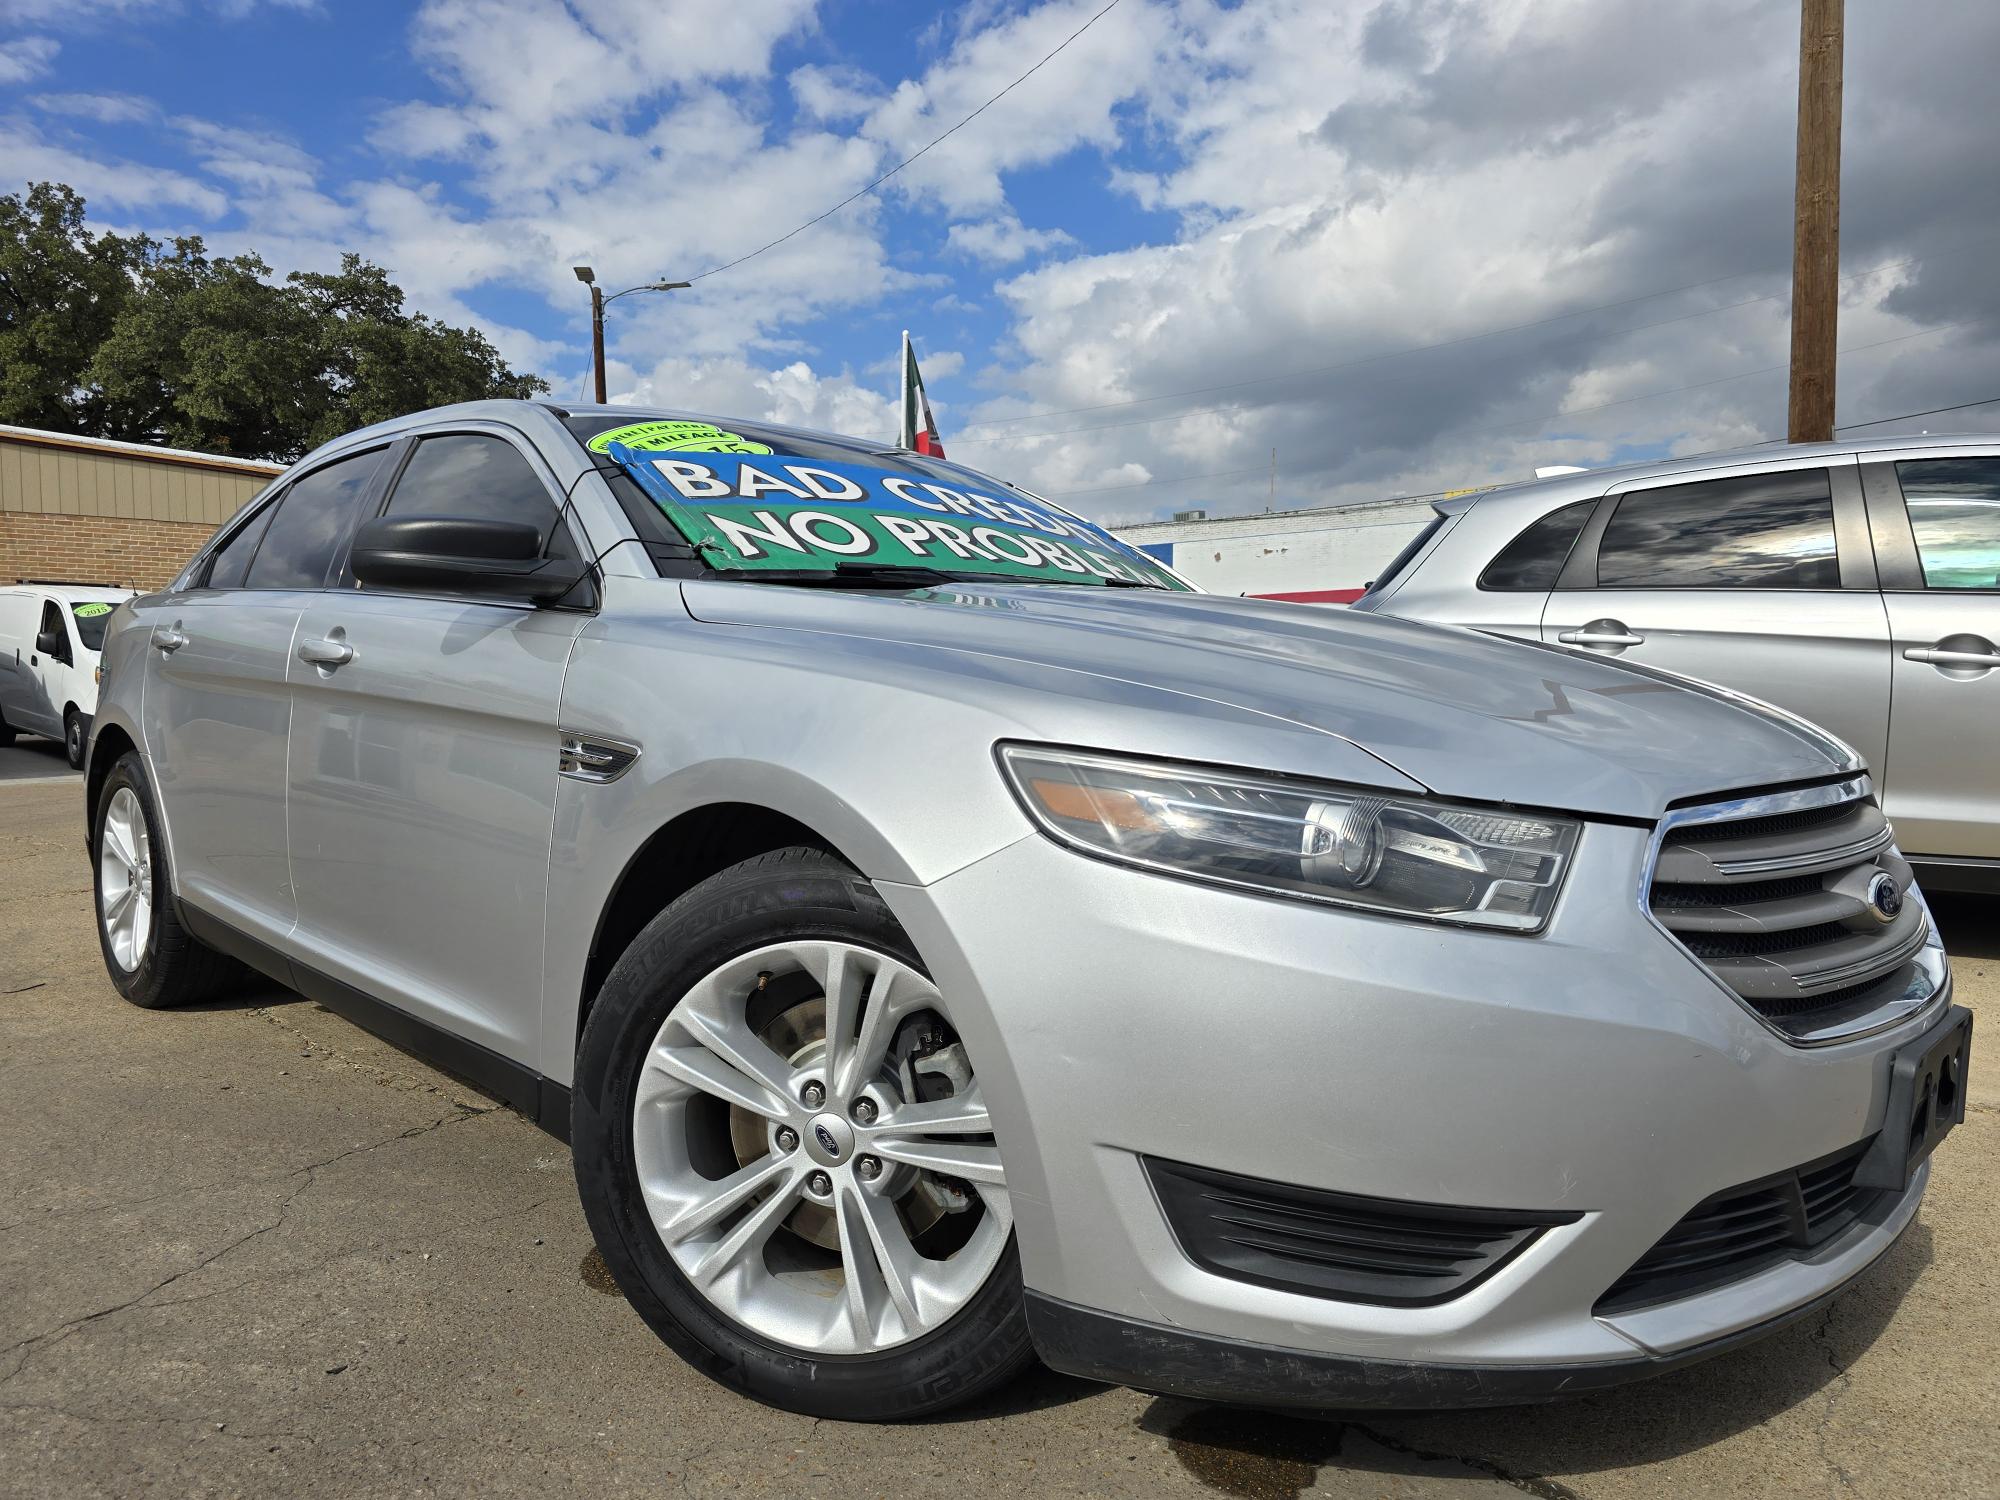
(1203, 232)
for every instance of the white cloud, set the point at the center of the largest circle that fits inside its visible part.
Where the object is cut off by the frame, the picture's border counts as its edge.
(105, 109)
(80, 14)
(792, 394)
(27, 58)
(128, 185)
(1130, 53)
(1003, 240)
(1354, 181)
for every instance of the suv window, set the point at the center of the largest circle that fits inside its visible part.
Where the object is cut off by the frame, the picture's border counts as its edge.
(1757, 531)
(469, 474)
(231, 561)
(313, 519)
(1954, 506)
(1534, 559)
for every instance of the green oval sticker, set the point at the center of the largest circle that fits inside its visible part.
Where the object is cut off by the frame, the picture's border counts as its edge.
(92, 611)
(674, 437)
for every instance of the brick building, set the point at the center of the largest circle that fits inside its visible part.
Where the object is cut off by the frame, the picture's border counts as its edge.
(88, 510)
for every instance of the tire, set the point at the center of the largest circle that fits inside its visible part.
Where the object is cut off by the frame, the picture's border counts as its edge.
(858, 1353)
(73, 746)
(7, 732)
(158, 964)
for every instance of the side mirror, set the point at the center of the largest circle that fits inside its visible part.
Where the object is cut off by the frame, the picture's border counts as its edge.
(462, 555)
(51, 643)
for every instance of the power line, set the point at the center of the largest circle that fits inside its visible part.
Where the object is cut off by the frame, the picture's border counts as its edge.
(1386, 354)
(1910, 416)
(936, 140)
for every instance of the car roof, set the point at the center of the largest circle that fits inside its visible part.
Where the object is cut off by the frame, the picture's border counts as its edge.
(1540, 494)
(72, 593)
(505, 410)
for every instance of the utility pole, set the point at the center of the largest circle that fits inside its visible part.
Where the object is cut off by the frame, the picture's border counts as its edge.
(1271, 504)
(597, 300)
(597, 338)
(1816, 224)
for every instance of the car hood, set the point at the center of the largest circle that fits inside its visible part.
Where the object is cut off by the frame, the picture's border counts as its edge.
(1462, 713)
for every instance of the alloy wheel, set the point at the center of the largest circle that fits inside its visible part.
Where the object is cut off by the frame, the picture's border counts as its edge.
(814, 1152)
(125, 879)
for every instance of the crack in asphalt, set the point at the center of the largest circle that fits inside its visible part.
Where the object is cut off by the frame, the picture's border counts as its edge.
(34, 1344)
(407, 1081)
(318, 1049)
(1836, 1388)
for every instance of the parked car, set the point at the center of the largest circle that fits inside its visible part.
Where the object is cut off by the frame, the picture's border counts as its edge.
(49, 639)
(1856, 584)
(944, 937)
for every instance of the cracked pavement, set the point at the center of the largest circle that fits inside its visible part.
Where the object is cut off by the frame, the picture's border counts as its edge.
(251, 1250)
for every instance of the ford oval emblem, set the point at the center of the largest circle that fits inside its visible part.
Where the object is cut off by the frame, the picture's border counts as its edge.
(1885, 898)
(828, 1144)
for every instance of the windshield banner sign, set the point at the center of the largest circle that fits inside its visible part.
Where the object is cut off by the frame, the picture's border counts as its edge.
(751, 512)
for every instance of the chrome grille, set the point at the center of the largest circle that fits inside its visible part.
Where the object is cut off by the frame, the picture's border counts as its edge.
(1773, 895)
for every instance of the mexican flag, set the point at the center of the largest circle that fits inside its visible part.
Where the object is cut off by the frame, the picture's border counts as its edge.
(919, 432)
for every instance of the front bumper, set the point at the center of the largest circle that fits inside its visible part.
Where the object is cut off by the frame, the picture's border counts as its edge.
(1594, 1069)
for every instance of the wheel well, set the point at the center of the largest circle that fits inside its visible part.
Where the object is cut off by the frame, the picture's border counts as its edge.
(675, 860)
(111, 743)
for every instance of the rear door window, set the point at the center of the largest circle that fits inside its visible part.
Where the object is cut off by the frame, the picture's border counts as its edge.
(1754, 531)
(312, 522)
(1954, 506)
(230, 563)
(1533, 561)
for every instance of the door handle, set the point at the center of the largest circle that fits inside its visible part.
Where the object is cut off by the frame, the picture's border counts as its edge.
(326, 653)
(168, 641)
(1597, 635)
(1938, 657)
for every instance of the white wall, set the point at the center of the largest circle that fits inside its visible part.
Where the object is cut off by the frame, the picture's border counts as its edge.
(1285, 554)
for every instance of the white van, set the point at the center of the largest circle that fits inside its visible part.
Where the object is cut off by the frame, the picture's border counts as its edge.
(49, 637)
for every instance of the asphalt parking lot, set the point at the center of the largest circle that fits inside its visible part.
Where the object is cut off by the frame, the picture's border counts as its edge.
(250, 1250)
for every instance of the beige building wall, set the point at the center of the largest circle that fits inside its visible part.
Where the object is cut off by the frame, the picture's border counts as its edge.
(86, 510)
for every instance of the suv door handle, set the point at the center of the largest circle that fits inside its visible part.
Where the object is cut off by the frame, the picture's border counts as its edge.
(1601, 633)
(1938, 657)
(326, 653)
(168, 641)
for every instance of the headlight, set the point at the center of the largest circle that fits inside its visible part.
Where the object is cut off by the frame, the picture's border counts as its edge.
(1407, 856)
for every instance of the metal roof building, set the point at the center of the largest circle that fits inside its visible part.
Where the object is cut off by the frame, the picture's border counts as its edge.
(90, 510)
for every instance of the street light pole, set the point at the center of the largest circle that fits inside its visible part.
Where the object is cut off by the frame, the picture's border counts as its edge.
(588, 277)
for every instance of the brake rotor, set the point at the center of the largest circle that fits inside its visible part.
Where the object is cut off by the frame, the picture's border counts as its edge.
(798, 1034)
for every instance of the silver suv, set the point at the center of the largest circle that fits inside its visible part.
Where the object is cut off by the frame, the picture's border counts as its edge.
(1857, 584)
(945, 938)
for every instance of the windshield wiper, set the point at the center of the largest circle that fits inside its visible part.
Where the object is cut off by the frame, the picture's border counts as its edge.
(850, 573)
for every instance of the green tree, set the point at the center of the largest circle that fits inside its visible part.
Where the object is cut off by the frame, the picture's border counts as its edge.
(208, 354)
(128, 338)
(61, 289)
(379, 361)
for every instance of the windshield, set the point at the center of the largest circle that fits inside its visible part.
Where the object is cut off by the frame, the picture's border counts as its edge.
(777, 504)
(90, 622)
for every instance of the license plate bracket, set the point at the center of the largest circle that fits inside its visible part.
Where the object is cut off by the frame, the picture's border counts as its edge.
(1927, 1080)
